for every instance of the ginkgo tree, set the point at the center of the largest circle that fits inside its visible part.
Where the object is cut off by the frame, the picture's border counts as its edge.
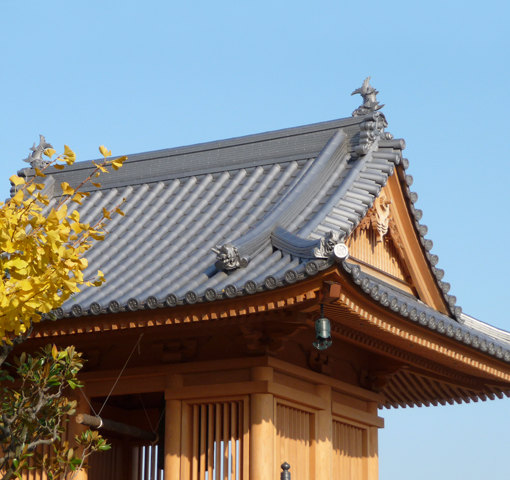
(42, 261)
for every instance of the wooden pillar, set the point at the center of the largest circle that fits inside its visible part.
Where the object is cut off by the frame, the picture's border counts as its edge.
(324, 436)
(373, 446)
(173, 417)
(262, 429)
(74, 429)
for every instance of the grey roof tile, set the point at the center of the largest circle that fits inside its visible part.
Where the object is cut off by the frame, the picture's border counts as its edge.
(180, 202)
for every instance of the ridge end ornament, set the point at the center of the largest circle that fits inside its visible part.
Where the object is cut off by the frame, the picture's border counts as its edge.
(327, 244)
(35, 158)
(331, 245)
(370, 103)
(228, 257)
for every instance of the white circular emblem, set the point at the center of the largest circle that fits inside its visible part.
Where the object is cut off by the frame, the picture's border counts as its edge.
(341, 252)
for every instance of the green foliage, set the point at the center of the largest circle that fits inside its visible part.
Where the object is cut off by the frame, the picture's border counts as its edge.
(34, 411)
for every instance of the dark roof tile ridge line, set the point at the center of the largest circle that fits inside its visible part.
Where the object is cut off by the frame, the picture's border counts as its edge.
(282, 212)
(214, 144)
(230, 291)
(426, 316)
(427, 244)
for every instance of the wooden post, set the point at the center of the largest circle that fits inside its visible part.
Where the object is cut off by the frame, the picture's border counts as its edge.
(173, 418)
(324, 436)
(373, 443)
(262, 431)
(74, 428)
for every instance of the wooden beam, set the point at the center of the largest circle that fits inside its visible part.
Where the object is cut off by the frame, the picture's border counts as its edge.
(117, 427)
(357, 415)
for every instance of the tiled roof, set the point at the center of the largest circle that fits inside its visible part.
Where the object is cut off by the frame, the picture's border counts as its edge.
(470, 331)
(274, 197)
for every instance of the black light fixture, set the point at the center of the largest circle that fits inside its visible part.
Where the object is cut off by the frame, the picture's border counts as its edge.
(322, 332)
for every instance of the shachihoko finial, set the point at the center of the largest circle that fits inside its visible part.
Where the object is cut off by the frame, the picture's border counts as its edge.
(370, 103)
(36, 157)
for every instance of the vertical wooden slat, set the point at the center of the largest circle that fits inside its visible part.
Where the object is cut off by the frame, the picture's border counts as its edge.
(186, 442)
(147, 463)
(233, 438)
(240, 435)
(196, 438)
(246, 439)
(140, 463)
(210, 441)
(217, 436)
(134, 463)
(203, 441)
(154, 463)
(226, 435)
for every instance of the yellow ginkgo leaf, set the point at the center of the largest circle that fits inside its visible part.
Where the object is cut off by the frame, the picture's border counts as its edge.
(106, 214)
(100, 167)
(66, 189)
(78, 198)
(49, 152)
(118, 162)
(18, 198)
(59, 167)
(17, 180)
(69, 155)
(119, 211)
(104, 152)
(38, 173)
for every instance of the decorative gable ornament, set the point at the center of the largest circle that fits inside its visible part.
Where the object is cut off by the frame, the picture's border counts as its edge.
(370, 103)
(35, 158)
(382, 216)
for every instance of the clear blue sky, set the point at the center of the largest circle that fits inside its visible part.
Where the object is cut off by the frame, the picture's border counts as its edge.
(139, 76)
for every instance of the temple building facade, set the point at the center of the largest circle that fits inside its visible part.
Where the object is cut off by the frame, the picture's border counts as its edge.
(267, 297)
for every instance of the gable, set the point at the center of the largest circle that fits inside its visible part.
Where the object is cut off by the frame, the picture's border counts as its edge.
(387, 245)
(376, 246)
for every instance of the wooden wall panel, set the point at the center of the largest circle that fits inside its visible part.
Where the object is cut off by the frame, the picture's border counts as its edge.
(348, 451)
(364, 245)
(293, 441)
(218, 441)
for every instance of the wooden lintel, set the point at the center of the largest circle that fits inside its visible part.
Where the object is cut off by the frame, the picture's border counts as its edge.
(358, 415)
(216, 390)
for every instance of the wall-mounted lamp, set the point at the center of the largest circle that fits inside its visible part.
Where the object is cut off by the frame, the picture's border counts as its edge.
(322, 332)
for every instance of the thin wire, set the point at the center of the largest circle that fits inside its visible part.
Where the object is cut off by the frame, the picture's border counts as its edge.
(90, 405)
(120, 374)
(160, 418)
(146, 414)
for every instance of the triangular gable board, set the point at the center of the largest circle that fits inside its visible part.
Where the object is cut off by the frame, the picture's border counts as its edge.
(376, 246)
(386, 245)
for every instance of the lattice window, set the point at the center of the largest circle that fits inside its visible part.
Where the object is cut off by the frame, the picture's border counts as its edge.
(349, 444)
(293, 427)
(217, 444)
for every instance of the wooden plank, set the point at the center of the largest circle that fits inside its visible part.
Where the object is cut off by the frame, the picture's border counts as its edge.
(196, 435)
(210, 440)
(233, 437)
(186, 441)
(246, 439)
(203, 441)
(226, 422)
(217, 431)
(358, 415)
(297, 396)
(317, 378)
(216, 390)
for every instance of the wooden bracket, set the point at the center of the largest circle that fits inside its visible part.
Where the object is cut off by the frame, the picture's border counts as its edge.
(268, 338)
(180, 350)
